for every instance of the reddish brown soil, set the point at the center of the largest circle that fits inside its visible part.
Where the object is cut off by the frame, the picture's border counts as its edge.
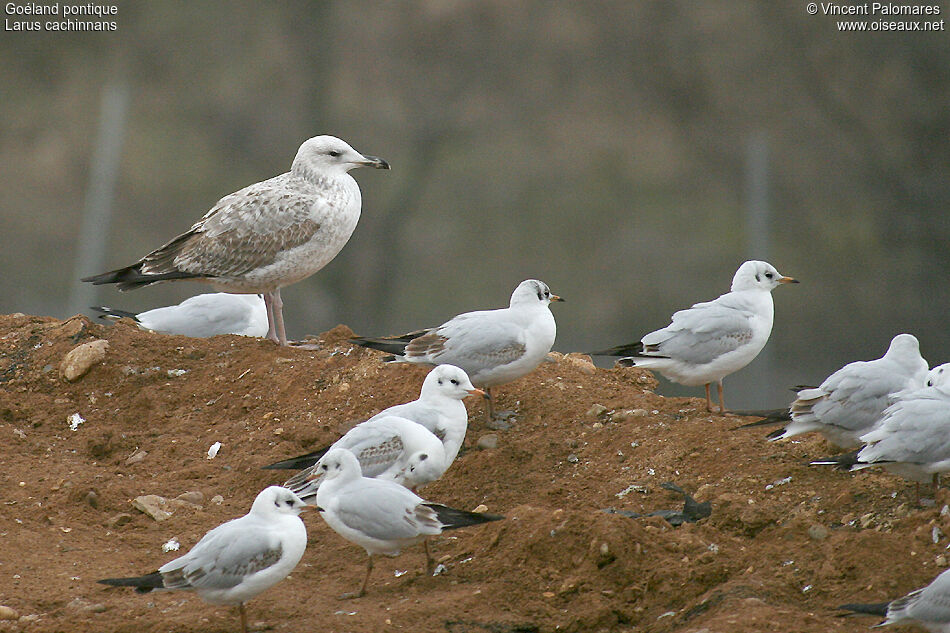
(776, 559)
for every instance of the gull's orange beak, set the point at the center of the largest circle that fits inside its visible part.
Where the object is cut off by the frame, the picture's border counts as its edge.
(477, 392)
(787, 280)
(556, 298)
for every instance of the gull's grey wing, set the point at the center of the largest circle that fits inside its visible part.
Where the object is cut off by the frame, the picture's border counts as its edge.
(930, 604)
(474, 341)
(701, 333)
(856, 396)
(245, 230)
(914, 430)
(418, 413)
(224, 557)
(386, 513)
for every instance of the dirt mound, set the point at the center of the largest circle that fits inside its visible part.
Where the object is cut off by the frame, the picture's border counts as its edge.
(784, 544)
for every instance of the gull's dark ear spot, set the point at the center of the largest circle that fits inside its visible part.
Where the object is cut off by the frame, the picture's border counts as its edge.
(757, 278)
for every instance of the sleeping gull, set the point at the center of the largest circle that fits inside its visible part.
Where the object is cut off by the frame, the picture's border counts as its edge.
(266, 236)
(711, 340)
(929, 607)
(239, 559)
(202, 316)
(385, 448)
(494, 347)
(380, 516)
(438, 408)
(851, 401)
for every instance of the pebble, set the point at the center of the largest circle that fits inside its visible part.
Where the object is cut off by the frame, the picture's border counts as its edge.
(596, 411)
(217, 500)
(481, 508)
(119, 520)
(572, 458)
(940, 561)
(194, 497)
(136, 457)
(153, 506)
(92, 498)
(8, 613)
(80, 360)
(487, 441)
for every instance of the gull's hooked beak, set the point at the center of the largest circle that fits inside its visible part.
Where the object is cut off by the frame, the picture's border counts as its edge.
(373, 161)
(477, 392)
(787, 280)
(556, 298)
(307, 508)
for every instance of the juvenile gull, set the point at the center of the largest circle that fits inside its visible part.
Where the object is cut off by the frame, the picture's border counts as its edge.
(438, 408)
(202, 316)
(266, 236)
(380, 516)
(239, 559)
(929, 607)
(711, 340)
(494, 347)
(852, 400)
(389, 448)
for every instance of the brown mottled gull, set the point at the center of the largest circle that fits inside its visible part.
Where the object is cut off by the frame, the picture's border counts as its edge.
(266, 236)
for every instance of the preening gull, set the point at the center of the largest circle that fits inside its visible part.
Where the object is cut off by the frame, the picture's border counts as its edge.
(852, 400)
(438, 408)
(389, 448)
(381, 516)
(494, 347)
(711, 340)
(239, 559)
(929, 607)
(202, 316)
(266, 236)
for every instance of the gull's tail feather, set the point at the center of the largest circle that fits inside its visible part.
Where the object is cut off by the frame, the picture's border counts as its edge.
(879, 608)
(845, 461)
(114, 314)
(132, 277)
(389, 344)
(298, 463)
(630, 349)
(450, 518)
(769, 416)
(142, 584)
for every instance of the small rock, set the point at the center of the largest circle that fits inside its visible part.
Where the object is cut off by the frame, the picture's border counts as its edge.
(940, 561)
(866, 520)
(596, 411)
(119, 520)
(136, 457)
(27, 619)
(74, 420)
(581, 362)
(152, 505)
(213, 451)
(818, 532)
(548, 594)
(92, 498)
(194, 497)
(628, 414)
(81, 359)
(481, 508)
(572, 458)
(487, 441)
(217, 500)
(8, 613)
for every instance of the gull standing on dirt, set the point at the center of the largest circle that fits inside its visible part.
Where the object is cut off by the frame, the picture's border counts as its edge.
(711, 340)
(380, 516)
(494, 347)
(239, 559)
(266, 236)
(852, 400)
(438, 408)
(913, 437)
(201, 316)
(389, 448)
(929, 607)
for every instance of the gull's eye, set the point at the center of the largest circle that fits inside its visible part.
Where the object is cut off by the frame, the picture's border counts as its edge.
(769, 275)
(289, 502)
(323, 466)
(334, 153)
(455, 382)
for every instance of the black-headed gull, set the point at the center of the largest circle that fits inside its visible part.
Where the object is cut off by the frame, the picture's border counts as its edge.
(201, 316)
(494, 347)
(381, 516)
(266, 236)
(710, 340)
(239, 559)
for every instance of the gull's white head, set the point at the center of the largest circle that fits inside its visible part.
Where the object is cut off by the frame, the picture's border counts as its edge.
(757, 275)
(277, 500)
(338, 462)
(905, 350)
(448, 381)
(939, 376)
(533, 292)
(421, 468)
(329, 156)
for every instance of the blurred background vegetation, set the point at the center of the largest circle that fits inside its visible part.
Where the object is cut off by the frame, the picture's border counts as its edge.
(612, 149)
